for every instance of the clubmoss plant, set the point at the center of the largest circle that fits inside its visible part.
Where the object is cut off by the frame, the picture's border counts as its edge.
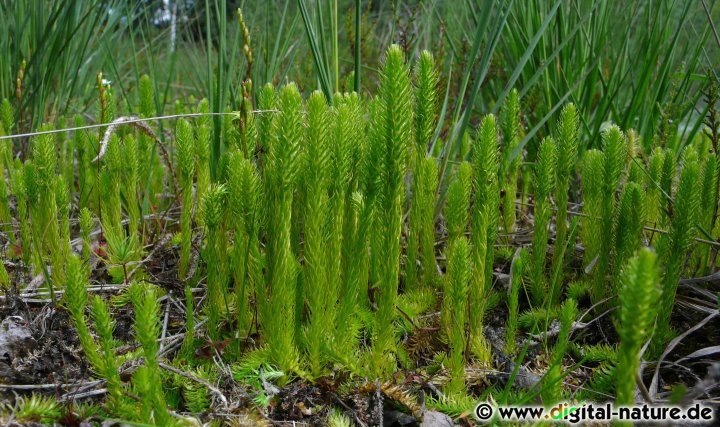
(394, 130)
(708, 205)
(215, 258)
(424, 177)
(243, 201)
(130, 188)
(653, 191)
(147, 331)
(544, 184)
(345, 130)
(355, 289)
(421, 233)
(674, 245)
(615, 153)
(186, 169)
(639, 295)
(426, 81)
(105, 327)
(278, 318)
(511, 127)
(458, 276)
(456, 220)
(566, 153)
(484, 226)
(111, 200)
(629, 225)
(86, 178)
(316, 253)
(37, 409)
(553, 385)
(248, 128)
(146, 148)
(76, 302)
(46, 228)
(266, 101)
(457, 209)
(592, 194)
(20, 190)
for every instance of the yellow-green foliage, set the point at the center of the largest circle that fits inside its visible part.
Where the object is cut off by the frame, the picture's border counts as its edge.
(216, 258)
(147, 330)
(456, 220)
(243, 186)
(393, 125)
(317, 255)
(278, 317)
(628, 224)
(186, 170)
(421, 233)
(328, 236)
(511, 129)
(567, 135)
(673, 246)
(458, 276)
(484, 224)
(615, 153)
(639, 294)
(44, 209)
(457, 209)
(553, 390)
(592, 193)
(544, 184)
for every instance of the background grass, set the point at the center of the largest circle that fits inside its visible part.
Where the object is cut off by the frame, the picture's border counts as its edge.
(635, 63)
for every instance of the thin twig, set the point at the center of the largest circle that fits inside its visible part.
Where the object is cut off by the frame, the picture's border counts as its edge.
(76, 396)
(47, 386)
(165, 326)
(135, 120)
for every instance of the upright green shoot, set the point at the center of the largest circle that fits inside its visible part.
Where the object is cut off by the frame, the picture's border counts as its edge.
(215, 258)
(186, 169)
(394, 129)
(639, 294)
(484, 228)
(458, 276)
(544, 183)
(566, 152)
(316, 161)
(511, 128)
(283, 167)
(147, 331)
(674, 245)
(615, 153)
